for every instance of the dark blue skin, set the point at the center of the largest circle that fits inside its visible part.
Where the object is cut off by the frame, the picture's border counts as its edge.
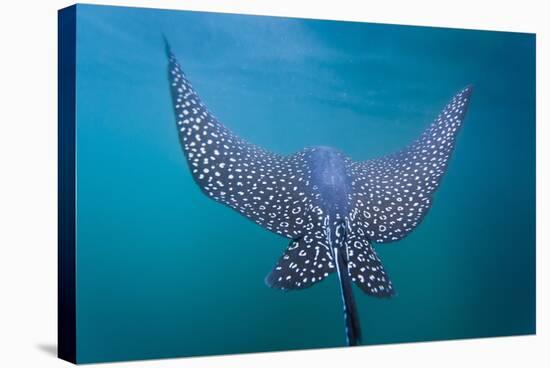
(330, 174)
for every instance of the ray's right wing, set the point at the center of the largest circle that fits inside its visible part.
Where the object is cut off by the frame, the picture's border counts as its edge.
(268, 189)
(392, 194)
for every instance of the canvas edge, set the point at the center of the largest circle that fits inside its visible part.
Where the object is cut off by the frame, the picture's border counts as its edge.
(66, 277)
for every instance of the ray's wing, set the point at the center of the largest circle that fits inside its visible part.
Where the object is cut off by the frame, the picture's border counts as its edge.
(268, 189)
(392, 194)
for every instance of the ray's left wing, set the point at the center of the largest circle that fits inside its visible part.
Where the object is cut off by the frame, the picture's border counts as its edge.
(392, 194)
(268, 189)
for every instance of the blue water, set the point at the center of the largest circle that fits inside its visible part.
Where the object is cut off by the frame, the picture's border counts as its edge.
(164, 271)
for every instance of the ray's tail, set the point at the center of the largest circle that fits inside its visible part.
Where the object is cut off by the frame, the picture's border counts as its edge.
(351, 316)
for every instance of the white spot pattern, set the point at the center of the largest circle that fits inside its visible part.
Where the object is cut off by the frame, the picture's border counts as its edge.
(269, 189)
(305, 262)
(392, 194)
(365, 268)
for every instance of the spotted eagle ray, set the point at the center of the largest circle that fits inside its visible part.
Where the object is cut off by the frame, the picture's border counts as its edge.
(330, 207)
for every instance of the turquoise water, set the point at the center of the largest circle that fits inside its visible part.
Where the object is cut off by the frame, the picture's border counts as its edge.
(164, 271)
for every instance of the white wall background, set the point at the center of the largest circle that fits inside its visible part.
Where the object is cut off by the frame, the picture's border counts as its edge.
(28, 181)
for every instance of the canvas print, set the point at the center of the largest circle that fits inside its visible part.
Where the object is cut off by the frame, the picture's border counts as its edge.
(232, 183)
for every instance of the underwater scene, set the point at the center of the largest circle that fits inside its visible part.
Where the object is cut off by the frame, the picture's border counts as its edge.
(177, 258)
